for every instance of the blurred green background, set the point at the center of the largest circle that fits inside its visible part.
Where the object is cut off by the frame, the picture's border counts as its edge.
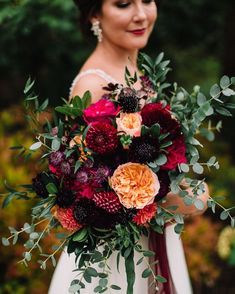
(41, 38)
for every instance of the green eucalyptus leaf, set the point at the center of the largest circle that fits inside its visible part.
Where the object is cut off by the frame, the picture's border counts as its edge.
(179, 228)
(35, 146)
(5, 242)
(214, 91)
(161, 160)
(198, 168)
(228, 92)
(201, 99)
(92, 272)
(103, 283)
(74, 288)
(223, 111)
(224, 215)
(199, 204)
(224, 82)
(146, 273)
(115, 287)
(184, 167)
(161, 279)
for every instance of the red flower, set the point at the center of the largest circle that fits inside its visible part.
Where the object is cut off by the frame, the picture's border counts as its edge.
(145, 214)
(108, 201)
(153, 113)
(101, 110)
(67, 220)
(176, 154)
(83, 190)
(102, 137)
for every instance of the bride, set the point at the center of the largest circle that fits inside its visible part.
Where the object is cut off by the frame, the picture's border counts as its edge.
(122, 27)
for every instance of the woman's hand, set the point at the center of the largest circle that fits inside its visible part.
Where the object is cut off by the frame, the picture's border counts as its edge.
(175, 200)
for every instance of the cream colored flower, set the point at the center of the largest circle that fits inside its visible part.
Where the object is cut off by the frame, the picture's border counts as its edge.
(135, 184)
(129, 123)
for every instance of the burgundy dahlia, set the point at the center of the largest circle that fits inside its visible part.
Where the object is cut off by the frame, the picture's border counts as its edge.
(176, 154)
(102, 137)
(164, 180)
(108, 201)
(65, 198)
(153, 113)
(39, 185)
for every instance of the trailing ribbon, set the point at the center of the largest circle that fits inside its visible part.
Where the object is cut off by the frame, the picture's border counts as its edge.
(157, 243)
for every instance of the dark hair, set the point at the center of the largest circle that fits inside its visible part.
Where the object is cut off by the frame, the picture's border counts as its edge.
(88, 8)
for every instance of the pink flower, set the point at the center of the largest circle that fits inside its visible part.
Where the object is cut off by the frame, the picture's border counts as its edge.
(130, 124)
(83, 190)
(101, 110)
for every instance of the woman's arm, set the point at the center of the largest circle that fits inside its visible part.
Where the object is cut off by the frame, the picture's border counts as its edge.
(175, 200)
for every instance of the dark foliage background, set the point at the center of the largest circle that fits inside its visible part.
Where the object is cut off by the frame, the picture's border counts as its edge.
(41, 38)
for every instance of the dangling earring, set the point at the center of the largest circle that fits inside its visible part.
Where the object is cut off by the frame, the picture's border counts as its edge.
(97, 31)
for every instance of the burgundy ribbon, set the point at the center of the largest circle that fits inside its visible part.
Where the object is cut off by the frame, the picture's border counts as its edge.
(157, 243)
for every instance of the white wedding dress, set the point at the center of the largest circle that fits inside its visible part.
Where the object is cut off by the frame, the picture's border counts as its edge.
(64, 274)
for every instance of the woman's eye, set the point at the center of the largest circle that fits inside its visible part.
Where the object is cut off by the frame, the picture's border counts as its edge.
(148, 1)
(122, 4)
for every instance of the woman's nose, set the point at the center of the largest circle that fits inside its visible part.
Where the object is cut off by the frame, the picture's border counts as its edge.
(139, 13)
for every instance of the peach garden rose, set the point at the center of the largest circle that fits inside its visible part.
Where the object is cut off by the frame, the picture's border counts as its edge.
(129, 123)
(135, 184)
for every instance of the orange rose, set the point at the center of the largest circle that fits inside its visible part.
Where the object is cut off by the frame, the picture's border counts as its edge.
(130, 123)
(135, 184)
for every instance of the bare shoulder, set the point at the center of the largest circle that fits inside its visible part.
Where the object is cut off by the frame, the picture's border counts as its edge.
(92, 83)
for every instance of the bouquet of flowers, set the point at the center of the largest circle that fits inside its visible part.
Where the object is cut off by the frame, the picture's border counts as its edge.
(109, 165)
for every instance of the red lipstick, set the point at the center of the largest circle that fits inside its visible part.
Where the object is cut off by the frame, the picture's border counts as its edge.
(138, 32)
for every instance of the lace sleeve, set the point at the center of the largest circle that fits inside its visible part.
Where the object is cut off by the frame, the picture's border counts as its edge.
(97, 72)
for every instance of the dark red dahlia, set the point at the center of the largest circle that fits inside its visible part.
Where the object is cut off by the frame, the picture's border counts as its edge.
(153, 113)
(164, 180)
(102, 137)
(176, 154)
(108, 201)
(39, 184)
(65, 198)
(86, 212)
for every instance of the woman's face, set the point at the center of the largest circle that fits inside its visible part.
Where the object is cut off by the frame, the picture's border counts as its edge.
(127, 23)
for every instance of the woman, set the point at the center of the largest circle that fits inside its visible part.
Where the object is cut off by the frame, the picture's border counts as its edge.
(122, 28)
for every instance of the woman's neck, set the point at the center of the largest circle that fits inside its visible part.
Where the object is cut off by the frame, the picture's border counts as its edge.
(117, 56)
